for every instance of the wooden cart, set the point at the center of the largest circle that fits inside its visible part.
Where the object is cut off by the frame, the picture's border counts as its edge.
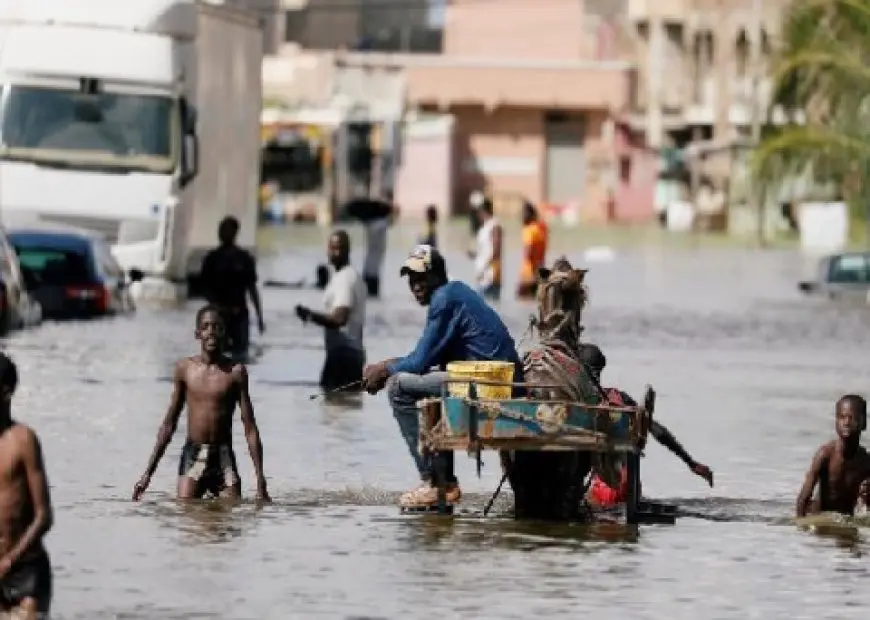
(466, 423)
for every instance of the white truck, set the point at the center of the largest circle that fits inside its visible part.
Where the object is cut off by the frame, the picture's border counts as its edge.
(138, 119)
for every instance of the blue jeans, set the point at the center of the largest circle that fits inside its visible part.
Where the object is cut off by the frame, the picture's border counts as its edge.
(404, 390)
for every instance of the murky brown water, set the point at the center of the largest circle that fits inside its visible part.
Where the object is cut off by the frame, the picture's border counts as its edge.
(746, 373)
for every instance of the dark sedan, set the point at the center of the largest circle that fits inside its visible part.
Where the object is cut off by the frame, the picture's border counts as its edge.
(72, 273)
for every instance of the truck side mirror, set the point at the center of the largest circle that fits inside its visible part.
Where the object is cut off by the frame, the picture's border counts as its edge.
(190, 116)
(189, 143)
(189, 159)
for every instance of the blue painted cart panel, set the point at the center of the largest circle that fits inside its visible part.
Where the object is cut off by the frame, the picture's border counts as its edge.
(454, 412)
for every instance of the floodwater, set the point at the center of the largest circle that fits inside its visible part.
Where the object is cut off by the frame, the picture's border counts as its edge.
(746, 373)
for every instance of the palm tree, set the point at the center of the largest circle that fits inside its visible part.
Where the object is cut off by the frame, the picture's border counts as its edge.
(822, 68)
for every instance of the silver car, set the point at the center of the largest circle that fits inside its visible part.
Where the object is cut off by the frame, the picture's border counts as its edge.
(18, 308)
(841, 276)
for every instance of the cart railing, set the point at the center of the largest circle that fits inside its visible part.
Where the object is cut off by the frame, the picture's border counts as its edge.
(466, 423)
(452, 423)
(511, 384)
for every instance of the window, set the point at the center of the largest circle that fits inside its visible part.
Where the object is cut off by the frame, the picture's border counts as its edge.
(741, 53)
(625, 169)
(55, 267)
(849, 269)
(134, 131)
(407, 37)
(295, 25)
(293, 162)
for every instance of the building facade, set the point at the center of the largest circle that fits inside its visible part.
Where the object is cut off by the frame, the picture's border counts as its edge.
(533, 90)
(394, 25)
(702, 81)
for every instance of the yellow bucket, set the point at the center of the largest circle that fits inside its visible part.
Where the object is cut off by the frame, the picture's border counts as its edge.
(500, 372)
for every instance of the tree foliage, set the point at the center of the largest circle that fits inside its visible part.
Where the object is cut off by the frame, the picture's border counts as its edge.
(822, 67)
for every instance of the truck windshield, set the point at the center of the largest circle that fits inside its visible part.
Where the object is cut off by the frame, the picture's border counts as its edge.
(66, 127)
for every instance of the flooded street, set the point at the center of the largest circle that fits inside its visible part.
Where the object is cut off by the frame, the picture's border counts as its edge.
(747, 374)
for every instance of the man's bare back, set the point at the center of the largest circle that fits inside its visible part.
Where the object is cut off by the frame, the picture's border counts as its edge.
(211, 386)
(839, 467)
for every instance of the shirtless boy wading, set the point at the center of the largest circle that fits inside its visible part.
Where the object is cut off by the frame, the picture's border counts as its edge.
(841, 468)
(211, 385)
(25, 512)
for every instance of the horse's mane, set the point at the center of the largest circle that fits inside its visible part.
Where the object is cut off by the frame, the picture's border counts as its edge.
(556, 359)
(561, 297)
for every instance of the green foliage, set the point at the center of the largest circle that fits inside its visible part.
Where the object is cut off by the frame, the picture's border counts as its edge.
(823, 68)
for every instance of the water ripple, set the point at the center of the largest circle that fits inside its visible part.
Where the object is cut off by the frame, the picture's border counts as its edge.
(746, 373)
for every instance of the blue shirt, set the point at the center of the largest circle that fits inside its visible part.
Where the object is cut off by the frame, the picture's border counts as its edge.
(460, 326)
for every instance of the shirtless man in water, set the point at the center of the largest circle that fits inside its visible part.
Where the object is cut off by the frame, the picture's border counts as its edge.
(25, 512)
(841, 467)
(211, 385)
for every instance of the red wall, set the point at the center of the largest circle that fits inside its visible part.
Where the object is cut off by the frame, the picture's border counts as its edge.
(634, 195)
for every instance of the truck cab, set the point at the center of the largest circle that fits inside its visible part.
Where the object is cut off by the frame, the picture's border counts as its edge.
(99, 129)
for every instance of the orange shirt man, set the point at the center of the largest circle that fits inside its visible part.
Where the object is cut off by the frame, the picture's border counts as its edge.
(535, 236)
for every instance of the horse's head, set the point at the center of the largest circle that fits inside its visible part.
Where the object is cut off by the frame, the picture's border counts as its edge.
(561, 298)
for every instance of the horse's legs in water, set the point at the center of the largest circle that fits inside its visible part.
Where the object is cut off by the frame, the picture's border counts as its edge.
(549, 485)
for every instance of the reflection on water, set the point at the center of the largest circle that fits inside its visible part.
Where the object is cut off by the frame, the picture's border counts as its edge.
(212, 521)
(746, 375)
(471, 533)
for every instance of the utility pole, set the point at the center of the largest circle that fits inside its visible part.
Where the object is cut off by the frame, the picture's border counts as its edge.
(655, 58)
(757, 29)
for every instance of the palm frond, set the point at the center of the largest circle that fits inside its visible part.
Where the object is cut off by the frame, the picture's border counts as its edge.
(822, 66)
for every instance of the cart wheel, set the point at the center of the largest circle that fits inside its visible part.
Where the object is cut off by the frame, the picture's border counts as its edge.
(632, 500)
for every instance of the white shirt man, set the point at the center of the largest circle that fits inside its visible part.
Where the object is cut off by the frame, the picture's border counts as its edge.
(346, 290)
(487, 254)
(343, 320)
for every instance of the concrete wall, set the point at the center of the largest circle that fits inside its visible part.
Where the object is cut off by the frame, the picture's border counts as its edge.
(504, 152)
(298, 77)
(691, 56)
(425, 174)
(570, 86)
(501, 73)
(635, 191)
(542, 29)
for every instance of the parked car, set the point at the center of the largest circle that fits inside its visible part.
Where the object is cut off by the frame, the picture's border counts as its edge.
(18, 309)
(71, 272)
(845, 275)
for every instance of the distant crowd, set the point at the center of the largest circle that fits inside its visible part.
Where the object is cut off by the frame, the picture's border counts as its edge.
(344, 288)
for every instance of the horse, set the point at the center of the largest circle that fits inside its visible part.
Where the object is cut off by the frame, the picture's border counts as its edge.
(550, 485)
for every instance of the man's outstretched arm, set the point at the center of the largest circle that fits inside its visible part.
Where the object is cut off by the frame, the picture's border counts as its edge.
(667, 439)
